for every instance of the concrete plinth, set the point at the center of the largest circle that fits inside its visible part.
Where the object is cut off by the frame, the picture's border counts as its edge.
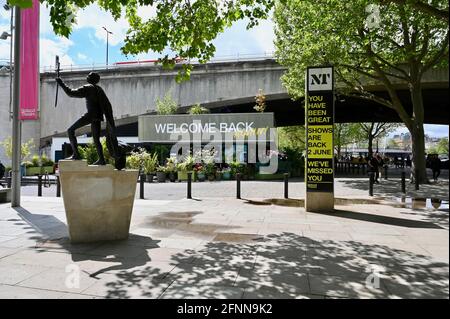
(98, 200)
(318, 202)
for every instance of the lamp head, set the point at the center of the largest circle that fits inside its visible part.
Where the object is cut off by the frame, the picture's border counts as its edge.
(4, 35)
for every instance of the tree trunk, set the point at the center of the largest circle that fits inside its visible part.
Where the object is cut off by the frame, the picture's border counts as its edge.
(370, 147)
(418, 153)
(418, 135)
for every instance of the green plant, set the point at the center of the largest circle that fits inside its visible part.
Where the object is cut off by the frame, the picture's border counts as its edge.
(45, 161)
(260, 100)
(210, 168)
(167, 105)
(150, 163)
(27, 164)
(36, 161)
(25, 149)
(161, 169)
(89, 153)
(187, 164)
(198, 109)
(237, 167)
(171, 165)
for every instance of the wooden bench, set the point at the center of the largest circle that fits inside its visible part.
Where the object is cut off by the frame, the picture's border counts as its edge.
(5, 195)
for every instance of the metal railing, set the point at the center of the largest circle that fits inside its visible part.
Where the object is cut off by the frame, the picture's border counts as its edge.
(137, 63)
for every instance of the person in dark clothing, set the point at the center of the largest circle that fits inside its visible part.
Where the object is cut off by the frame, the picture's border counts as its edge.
(2, 170)
(373, 167)
(94, 115)
(408, 161)
(436, 166)
(381, 164)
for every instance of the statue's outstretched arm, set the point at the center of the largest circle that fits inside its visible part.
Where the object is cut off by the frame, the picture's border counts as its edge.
(81, 92)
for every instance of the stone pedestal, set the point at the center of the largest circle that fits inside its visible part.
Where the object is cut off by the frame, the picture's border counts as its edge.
(319, 202)
(98, 200)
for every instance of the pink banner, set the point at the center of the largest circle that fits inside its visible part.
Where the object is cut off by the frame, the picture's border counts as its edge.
(29, 63)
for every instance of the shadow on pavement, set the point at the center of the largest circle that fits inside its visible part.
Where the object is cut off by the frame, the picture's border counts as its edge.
(291, 266)
(393, 187)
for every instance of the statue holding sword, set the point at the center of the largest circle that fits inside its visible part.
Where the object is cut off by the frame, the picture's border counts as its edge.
(98, 109)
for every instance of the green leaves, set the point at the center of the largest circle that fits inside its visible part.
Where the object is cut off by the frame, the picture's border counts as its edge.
(363, 48)
(184, 27)
(21, 3)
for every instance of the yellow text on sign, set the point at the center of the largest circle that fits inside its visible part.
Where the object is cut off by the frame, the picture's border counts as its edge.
(320, 141)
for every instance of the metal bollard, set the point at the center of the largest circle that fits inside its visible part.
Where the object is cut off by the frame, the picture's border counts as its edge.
(58, 187)
(189, 185)
(8, 181)
(386, 172)
(238, 185)
(39, 185)
(371, 181)
(403, 183)
(286, 185)
(141, 186)
(417, 180)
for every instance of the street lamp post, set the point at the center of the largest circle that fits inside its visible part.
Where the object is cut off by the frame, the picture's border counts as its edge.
(16, 138)
(107, 43)
(5, 36)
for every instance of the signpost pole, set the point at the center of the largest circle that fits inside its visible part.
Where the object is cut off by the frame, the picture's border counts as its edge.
(16, 131)
(319, 119)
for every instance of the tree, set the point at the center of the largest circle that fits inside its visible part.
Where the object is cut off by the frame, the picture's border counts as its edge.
(185, 27)
(435, 9)
(441, 147)
(392, 144)
(375, 131)
(368, 45)
(292, 137)
(346, 133)
(25, 149)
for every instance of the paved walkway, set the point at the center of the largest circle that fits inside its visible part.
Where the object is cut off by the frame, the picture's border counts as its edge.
(227, 248)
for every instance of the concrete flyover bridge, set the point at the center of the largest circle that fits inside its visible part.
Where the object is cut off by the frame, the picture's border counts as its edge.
(223, 87)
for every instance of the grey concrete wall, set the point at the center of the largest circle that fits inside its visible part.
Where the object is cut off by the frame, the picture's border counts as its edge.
(30, 129)
(134, 91)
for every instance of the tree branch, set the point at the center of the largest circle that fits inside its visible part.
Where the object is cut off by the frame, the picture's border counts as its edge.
(423, 7)
(443, 52)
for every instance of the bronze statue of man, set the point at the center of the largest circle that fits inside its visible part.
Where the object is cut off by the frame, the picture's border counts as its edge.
(98, 109)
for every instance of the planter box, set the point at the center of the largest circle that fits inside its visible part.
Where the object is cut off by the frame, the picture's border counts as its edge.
(226, 176)
(201, 177)
(182, 175)
(149, 178)
(30, 171)
(161, 177)
(48, 169)
(98, 200)
(172, 176)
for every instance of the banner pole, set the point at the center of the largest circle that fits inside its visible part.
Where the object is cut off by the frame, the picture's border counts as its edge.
(16, 129)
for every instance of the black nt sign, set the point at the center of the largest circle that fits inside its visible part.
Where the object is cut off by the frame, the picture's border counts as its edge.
(319, 110)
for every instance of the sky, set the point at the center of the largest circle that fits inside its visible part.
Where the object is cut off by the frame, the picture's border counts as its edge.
(87, 43)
